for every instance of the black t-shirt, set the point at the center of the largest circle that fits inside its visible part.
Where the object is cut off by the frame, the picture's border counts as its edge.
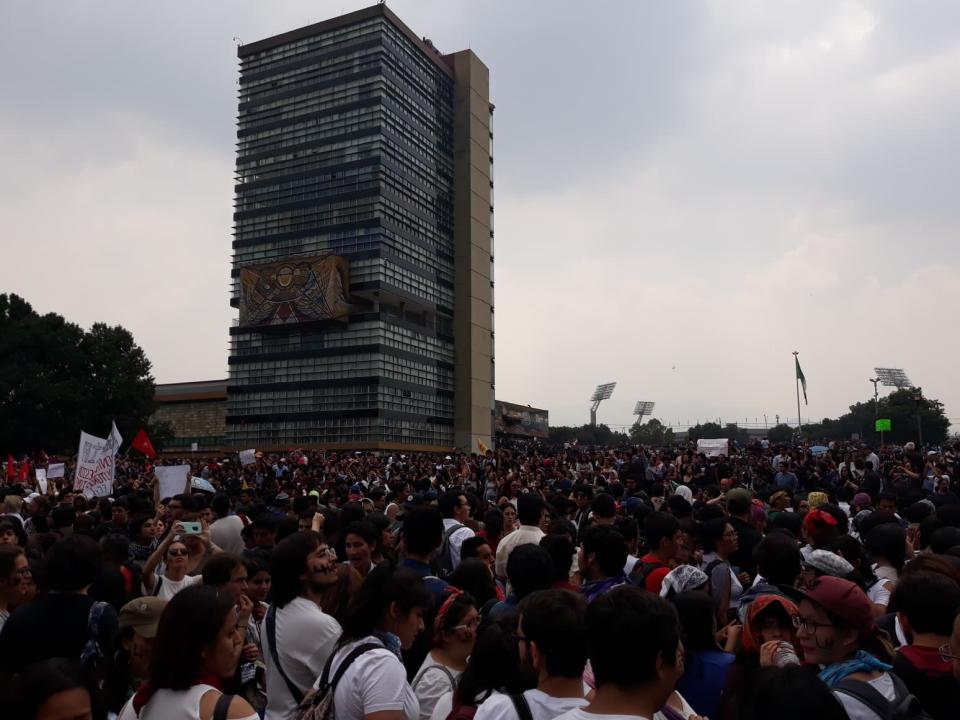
(53, 625)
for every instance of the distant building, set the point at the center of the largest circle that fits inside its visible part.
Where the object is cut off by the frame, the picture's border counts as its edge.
(363, 242)
(514, 420)
(197, 413)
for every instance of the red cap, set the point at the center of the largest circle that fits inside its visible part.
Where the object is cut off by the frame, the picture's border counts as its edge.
(843, 599)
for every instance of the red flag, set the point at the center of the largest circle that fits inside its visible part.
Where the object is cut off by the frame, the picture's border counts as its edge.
(142, 443)
(24, 470)
(11, 473)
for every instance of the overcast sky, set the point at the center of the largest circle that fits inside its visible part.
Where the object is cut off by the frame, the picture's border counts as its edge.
(686, 192)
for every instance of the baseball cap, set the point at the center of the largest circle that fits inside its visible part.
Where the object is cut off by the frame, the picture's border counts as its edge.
(862, 500)
(142, 615)
(738, 500)
(841, 598)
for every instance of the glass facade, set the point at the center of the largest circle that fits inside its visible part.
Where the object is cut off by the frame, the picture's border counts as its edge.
(345, 147)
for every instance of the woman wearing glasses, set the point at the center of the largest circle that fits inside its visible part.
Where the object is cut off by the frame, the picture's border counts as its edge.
(175, 555)
(835, 630)
(454, 633)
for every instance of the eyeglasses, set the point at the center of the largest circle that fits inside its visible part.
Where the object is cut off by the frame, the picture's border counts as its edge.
(472, 625)
(517, 637)
(808, 626)
(178, 553)
(946, 655)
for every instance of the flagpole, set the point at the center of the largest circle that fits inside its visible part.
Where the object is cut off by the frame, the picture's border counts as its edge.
(796, 362)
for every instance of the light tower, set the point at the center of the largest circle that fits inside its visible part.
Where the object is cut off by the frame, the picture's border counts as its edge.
(603, 392)
(643, 408)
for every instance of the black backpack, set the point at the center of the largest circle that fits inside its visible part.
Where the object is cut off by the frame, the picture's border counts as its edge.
(904, 707)
(444, 561)
(642, 570)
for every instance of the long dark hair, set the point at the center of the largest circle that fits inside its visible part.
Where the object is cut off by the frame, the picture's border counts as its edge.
(41, 681)
(473, 576)
(384, 586)
(192, 619)
(494, 663)
(696, 613)
(288, 563)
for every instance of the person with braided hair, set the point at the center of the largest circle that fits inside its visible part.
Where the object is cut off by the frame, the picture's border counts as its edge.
(454, 632)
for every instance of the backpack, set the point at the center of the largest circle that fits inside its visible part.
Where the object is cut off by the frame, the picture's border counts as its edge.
(271, 623)
(904, 707)
(642, 570)
(444, 557)
(419, 677)
(521, 706)
(318, 704)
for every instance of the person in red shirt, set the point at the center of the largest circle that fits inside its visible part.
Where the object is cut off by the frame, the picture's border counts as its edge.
(662, 534)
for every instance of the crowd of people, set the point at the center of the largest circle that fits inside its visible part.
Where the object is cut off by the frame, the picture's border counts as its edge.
(528, 583)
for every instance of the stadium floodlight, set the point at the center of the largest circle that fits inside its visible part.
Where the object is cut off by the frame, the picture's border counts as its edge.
(643, 408)
(893, 377)
(603, 392)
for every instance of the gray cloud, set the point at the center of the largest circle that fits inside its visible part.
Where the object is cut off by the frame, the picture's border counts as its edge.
(685, 193)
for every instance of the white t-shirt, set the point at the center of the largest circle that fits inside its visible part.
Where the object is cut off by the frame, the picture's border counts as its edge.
(443, 707)
(172, 705)
(306, 636)
(375, 682)
(169, 588)
(432, 681)
(456, 539)
(542, 706)
(856, 710)
(525, 535)
(686, 711)
(878, 593)
(580, 714)
(225, 534)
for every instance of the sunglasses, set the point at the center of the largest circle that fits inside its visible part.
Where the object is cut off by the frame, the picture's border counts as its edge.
(178, 553)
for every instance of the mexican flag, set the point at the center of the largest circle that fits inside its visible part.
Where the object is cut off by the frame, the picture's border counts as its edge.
(802, 379)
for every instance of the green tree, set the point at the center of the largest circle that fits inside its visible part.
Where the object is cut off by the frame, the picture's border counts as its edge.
(901, 407)
(588, 435)
(56, 380)
(708, 430)
(653, 433)
(781, 433)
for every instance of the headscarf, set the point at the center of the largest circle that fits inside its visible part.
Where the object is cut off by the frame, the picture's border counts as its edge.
(817, 498)
(685, 492)
(777, 495)
(752, 639)
(683, 578)
(438, 622)
(828, 563)
(815, 519)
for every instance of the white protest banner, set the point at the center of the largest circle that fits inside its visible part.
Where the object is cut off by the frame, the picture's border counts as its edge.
(714, 447)
(42, 480)
(55, 470)
(201, 484)
(95, 464)
(114, 441)
(172, 479)
(248, 457)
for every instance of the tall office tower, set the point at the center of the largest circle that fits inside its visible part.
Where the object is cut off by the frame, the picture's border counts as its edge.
(363, 242)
